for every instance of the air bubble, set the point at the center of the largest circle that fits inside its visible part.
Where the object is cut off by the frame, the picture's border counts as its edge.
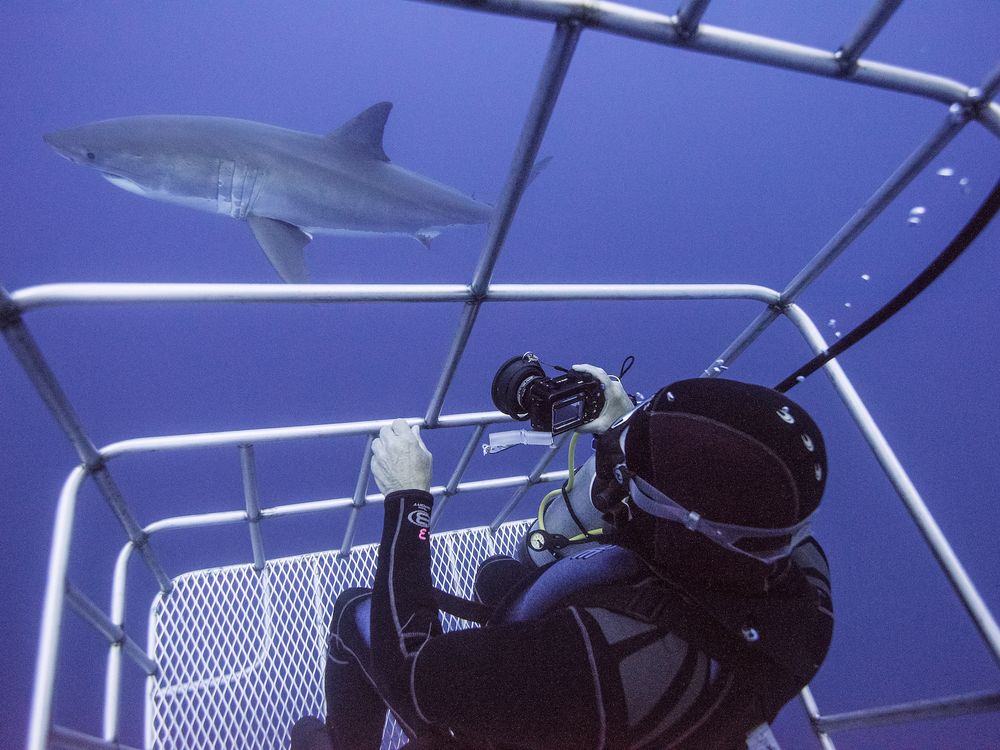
(865, 277)
(913, 221)
(918, 211)
(837, 334)
(847, 304)
(964, 184)
(832, 322)
(946, 172)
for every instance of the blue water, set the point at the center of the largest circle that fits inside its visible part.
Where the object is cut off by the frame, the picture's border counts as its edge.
(668, 166)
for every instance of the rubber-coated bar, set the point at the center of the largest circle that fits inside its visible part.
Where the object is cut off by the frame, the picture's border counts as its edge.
(115, 634)
(865, 34)
(456, 476)
(689, 16)
(358, 500)
(70, 739)
(627, 21)
(955, 572)
(934, 708)
(809, 703)
(248, 466)
(531, 480)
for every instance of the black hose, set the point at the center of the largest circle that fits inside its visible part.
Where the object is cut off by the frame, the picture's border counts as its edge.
(956, 247)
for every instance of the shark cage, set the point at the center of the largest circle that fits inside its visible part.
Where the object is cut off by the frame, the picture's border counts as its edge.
(233, 655)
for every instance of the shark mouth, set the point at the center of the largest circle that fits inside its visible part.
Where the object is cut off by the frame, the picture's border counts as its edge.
(123, 182)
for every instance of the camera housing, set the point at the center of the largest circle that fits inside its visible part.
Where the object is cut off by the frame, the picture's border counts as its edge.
(565, 402)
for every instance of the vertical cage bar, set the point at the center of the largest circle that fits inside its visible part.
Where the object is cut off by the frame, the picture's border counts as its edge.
(865, 34)
(470, 311)
(248, 465)
(550, 82)
(557, 63)
(456, 476)
(40, 722)
(689, 16)
(529, 483)
(809, 703)
(360, 489)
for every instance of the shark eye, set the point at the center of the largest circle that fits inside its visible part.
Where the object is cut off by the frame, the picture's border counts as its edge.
(90, 155)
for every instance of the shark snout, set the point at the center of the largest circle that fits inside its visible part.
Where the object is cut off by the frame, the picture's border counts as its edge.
(66, 146)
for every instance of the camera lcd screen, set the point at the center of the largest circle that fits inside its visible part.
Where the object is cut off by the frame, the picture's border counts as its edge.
(567, 414)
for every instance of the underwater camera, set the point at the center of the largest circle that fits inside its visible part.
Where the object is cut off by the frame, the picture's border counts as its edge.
(564, 402)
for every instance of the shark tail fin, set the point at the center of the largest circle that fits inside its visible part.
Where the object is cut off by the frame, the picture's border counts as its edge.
(284, 246)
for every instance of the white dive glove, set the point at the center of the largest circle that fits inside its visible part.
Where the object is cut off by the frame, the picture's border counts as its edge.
(616, 400)
(400, 460)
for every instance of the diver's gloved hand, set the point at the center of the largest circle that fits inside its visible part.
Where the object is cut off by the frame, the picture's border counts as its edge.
(400, 460)
(616, 400)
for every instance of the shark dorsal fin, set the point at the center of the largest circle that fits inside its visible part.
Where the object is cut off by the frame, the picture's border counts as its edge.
(364, 132)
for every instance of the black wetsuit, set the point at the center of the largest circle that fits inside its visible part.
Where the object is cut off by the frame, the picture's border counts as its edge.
(562, 662)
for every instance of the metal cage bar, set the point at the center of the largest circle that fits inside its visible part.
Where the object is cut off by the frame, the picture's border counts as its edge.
(937, 708)
(973, 602)
(358, 501)
(550, 82)
(865, 34)
(114, 633)
(684, 30)
(249, 467)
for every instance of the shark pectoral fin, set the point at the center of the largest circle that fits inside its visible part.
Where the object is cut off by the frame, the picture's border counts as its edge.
(364, 132)
(424, 236)
(283, 244)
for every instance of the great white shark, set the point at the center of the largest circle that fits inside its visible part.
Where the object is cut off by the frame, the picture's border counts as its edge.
(287, 185)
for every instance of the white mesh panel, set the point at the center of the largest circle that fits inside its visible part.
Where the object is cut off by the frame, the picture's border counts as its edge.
(241, 653)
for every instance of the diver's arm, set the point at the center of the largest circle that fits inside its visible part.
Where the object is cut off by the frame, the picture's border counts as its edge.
(534, 681)
(403, 612)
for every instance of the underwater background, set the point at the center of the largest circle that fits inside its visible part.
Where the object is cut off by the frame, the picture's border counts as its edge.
(668, 166)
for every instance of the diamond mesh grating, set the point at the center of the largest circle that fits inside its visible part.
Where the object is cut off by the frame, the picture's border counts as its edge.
(241, 653)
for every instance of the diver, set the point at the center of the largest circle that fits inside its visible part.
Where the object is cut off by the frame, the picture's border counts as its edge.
(674, 599)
